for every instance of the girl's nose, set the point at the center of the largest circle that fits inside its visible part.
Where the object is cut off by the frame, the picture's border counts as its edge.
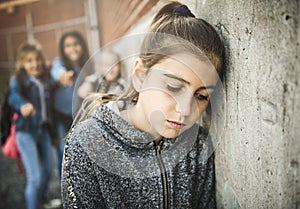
(34, 64)
(184, 104)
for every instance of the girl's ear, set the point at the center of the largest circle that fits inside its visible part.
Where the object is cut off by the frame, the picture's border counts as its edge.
(139, 74)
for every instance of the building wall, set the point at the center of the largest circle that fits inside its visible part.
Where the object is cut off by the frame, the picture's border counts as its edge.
(99, 21)
(258, 151)
(116, 17)
(44, 21)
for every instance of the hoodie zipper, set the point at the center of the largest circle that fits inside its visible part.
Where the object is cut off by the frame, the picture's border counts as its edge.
(158, 147)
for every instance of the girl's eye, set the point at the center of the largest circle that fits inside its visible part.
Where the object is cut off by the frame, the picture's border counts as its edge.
(201, 97)
(174, 89)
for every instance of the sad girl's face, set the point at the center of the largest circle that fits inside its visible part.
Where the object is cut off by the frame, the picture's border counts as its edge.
(172, 96)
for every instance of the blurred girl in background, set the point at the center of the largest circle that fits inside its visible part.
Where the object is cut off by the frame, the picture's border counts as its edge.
(30, 91)
(107, 78)
(65, 70)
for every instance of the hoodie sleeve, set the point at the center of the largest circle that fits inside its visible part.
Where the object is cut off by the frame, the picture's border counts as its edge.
(208, 197)
(80, 186)
(15, 99)
(57, 69)
(208, 192)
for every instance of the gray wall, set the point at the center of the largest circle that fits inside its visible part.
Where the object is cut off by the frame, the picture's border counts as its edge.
(258, 151)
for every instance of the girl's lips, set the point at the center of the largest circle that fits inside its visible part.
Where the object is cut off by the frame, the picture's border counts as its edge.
(175, 124)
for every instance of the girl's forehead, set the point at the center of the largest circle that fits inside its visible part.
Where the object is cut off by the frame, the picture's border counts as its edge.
(107, 58)
(70, 39)
(30, 54)
(189, 69)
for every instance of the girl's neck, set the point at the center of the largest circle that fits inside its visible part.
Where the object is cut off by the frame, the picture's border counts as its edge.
(76, 63)
(34, 77)
(136, 121)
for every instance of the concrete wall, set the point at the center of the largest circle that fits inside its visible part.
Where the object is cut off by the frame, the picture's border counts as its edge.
(258, 153)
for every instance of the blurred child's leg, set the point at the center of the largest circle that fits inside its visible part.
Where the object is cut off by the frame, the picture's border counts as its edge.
(45, 161)
(63, 127)
(30, 158)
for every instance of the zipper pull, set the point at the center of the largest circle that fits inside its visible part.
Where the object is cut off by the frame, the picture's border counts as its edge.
(158, 146)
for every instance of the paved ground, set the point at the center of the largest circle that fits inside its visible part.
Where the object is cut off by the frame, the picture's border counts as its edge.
(12, 185)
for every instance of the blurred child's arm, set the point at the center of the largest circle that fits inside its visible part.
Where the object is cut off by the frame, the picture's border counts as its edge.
(87, 86)
(84, 89)
(57, 69)
(60, 74)
(18, 102)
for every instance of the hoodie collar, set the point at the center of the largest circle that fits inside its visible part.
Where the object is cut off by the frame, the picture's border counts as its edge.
(110, 116)
(121, 128)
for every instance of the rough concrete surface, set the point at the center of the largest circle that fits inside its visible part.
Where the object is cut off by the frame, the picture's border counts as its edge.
(258, 151)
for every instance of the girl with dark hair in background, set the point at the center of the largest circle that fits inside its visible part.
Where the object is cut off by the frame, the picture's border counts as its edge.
(65, 70)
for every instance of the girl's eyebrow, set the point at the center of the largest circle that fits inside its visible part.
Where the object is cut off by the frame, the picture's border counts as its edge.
(175, 77)
(182, 80)
(205, 87)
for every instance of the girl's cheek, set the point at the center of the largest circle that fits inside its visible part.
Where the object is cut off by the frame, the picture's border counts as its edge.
(79, 49)
(65, 51)
(201, 110)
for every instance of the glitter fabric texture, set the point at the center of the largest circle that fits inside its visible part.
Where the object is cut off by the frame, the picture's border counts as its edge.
(110, 164)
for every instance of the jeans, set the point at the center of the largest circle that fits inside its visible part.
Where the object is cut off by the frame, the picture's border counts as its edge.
(63, 126)
(36, 155)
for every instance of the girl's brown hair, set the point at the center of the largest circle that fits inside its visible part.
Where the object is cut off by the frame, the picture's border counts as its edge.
(173, 29)
(183, 24)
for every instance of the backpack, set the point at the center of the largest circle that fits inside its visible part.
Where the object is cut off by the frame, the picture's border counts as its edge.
(6, 118)
(8, 133)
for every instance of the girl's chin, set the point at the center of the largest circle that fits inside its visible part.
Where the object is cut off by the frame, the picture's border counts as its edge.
(170, 133)
(74, 58)
(166, 132)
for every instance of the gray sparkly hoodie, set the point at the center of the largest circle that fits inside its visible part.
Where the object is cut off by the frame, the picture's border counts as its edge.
(110, 164)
